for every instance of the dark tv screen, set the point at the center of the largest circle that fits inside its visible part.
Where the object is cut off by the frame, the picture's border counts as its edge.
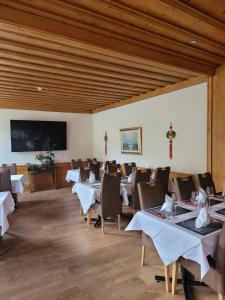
(37, 136)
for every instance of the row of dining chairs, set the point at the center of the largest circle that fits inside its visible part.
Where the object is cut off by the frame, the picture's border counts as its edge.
(183, 187)
(109, 166)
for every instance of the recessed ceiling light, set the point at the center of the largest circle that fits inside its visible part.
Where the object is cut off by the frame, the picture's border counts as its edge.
(40, 88)
(193, 42)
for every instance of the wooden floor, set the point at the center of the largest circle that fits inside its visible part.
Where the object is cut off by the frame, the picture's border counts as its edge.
(50, 253)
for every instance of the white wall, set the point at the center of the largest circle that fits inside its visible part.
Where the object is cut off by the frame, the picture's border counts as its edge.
(186, 108)
(79, 135)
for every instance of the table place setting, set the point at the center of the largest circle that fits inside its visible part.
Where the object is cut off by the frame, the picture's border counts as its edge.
(90, 191)
(180, 229)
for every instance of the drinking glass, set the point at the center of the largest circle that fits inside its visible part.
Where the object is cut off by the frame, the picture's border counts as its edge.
(175, 203)
(169, 216)
(194, 200)
(209, 193)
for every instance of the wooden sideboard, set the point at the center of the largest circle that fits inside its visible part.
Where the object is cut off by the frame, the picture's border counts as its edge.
(47, 183)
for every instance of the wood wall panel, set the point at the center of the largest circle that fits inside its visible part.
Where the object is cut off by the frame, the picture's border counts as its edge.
(218, 128)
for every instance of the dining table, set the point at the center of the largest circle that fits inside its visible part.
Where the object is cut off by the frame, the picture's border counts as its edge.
(7, 206)
(73, 175)
(89, 194)
(177, 237)
(18, 182)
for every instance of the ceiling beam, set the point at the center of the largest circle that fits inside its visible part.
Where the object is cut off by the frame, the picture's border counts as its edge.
(27, 49)
(191, 11)
(63, 79)
(170, 88)
(91, 40)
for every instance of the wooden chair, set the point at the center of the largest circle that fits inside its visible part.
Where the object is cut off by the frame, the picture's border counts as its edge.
(112, 168)
(11, 167)
(95, 169)
(110, 203)
(109, 162)
(76, 164)
(128, 168)
(215, 277)
(84, 173)
(184, 187)
(139, 176)
(5, 181)
(151, 194)
(204, 180)
(162, 175)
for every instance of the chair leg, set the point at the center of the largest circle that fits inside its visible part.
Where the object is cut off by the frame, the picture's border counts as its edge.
(81, 211)
(89, 214)
(119, 222)
(167, 277)
(142, 255)
(102, 221)
(221, 297)
(174, 277)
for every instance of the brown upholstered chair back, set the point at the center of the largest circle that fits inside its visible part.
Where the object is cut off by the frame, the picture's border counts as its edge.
(11, 167)
(5, 181)
(109, 162)
(162, 175)
(128, 167)
(139, 176)
(76, 164)
(84, 173)
(184, 187)
(112, 168)
(205, 180)
(151, 194)
(95, 168)
(110, 196)
(220, 261)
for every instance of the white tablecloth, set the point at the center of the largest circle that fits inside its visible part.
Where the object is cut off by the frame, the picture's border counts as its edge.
(7, 206)
(73, 175)
(18, 182)
(172, 241)
(89, 194)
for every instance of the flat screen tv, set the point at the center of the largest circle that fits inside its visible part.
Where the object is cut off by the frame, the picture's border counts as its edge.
(37, 135)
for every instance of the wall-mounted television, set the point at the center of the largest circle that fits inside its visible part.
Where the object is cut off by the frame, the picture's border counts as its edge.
(37, 135)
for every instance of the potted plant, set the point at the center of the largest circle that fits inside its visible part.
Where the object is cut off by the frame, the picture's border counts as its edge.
(46, 160)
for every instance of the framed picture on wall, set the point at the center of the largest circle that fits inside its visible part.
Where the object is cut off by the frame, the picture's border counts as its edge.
(131, 140)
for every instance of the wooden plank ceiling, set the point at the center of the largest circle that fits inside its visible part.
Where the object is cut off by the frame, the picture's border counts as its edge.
(89, 55)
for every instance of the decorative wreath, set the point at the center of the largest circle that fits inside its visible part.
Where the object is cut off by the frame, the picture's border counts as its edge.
(171, 134)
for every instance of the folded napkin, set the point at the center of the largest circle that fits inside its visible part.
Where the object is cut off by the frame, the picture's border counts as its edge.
(167, 205)
(153, 175)
(201, 198)
(203, 218)
(130, 178)
(91, 178)
(124, 193)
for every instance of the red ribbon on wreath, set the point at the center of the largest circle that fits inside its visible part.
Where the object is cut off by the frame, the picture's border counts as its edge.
(171, 134)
